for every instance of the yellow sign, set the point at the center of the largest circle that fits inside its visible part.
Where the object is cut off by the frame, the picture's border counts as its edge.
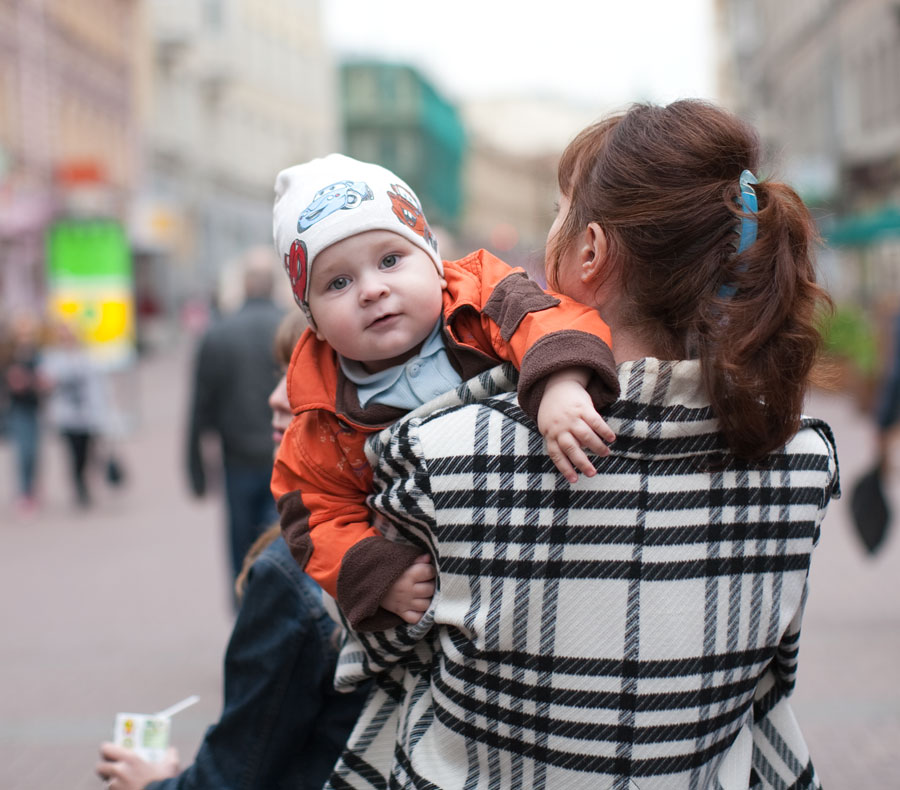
(90, 279)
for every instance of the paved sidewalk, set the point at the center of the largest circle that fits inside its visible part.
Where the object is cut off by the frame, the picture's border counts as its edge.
(125, 607)
(121, 608)
(848, 695)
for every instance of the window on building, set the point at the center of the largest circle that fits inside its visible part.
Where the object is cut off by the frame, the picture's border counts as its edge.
(387, 88)
(406, 93)
(865, 91)
(407, 153)
(361, 91)
(213, 14)
(387, 152)
(363, 146)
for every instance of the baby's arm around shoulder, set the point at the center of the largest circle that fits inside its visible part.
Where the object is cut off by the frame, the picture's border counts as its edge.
(567, 370)
(569, 423)
(542, 333)
(327, 526)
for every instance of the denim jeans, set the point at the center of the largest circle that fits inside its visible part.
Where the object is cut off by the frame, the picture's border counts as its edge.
(24, 430)
(251, 508)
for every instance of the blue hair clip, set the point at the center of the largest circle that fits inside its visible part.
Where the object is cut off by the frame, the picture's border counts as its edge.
(748, 205)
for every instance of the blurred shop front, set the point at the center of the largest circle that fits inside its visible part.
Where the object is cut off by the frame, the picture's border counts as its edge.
(25, 213)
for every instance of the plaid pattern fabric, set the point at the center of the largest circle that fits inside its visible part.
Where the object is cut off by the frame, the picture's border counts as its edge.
(636, 630)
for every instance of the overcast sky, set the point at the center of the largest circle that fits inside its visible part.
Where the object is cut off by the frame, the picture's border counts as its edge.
(600, 52)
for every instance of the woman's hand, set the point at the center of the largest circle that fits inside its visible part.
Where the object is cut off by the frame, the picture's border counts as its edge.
(410, 596)
(569, 423)
(124, 770)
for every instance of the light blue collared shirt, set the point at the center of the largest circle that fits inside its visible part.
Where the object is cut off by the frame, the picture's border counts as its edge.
(417, 381)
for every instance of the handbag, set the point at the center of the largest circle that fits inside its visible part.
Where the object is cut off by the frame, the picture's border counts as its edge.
(870, 509)
(115, 472)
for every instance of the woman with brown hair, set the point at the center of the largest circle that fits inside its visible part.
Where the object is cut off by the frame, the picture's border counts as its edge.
(639, 628)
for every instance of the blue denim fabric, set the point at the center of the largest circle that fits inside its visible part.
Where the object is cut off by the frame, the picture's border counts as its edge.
(23, 425)
(283, 724)
(251, 508)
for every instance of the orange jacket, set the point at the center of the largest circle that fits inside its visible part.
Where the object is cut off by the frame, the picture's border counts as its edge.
(321, 478)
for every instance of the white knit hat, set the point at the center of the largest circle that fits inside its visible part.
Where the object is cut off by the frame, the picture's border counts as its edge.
(327, 200)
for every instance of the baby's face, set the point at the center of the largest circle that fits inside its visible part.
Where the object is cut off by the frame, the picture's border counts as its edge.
(375, 298)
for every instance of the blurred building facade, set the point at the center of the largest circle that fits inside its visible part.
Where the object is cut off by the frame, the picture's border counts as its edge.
(509, 201)
(70, 76)
(392, 115)
(821, 80)
(238, 90)
(510, 176)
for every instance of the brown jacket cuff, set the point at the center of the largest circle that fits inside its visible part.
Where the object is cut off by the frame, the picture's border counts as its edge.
(367, 571)
(294, 518)
(567, 349)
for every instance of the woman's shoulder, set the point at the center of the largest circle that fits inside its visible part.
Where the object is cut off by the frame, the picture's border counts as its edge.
(814, 449)
(275, 565)
(815, 436)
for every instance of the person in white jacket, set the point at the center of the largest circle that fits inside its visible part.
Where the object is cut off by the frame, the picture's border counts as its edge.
(79, 404)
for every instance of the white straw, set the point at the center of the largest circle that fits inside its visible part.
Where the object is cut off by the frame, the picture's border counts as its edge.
(178, 707)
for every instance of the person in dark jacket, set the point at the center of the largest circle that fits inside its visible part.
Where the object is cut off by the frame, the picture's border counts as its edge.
(283, 725)
(888, 408)
(234, 372)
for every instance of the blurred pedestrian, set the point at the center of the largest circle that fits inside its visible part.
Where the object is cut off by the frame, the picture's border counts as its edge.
(79, 404)
(283, 725)
(869, 503)
(26, 387)
(234, 373)
(888, 413)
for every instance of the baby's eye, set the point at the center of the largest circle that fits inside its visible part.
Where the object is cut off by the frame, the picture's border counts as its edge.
(338, 283)
(389, 261)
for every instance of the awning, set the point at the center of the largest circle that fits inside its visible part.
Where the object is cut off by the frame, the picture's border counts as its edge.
(859, 230)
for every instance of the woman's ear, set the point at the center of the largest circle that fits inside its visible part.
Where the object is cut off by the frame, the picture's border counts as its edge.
(593, 253)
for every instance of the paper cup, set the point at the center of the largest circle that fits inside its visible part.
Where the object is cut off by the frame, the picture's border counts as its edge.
(147, 734)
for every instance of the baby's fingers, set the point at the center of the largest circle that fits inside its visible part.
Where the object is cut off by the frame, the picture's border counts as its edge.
(561, 461)
(420, 572)
(586, 439)
(418, 605)
(599, 427)
(423, 589)
(581, 462)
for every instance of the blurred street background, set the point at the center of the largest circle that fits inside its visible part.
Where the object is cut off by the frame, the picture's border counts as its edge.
(124, 608)
(139, 141)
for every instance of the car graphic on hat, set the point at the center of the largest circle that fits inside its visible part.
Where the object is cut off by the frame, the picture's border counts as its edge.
(408, 210)
(335, 197)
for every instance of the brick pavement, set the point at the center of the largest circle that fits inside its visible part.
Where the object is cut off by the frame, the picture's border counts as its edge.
(125, 607)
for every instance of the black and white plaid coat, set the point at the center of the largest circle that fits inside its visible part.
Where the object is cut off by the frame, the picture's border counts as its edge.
(638, 629)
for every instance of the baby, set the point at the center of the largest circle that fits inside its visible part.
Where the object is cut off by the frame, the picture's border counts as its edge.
(392, 326)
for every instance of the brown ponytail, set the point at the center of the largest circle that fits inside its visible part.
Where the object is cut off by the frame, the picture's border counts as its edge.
(663, 183)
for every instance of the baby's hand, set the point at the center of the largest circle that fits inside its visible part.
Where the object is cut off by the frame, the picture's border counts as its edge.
(410, 596)
(569, 422)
